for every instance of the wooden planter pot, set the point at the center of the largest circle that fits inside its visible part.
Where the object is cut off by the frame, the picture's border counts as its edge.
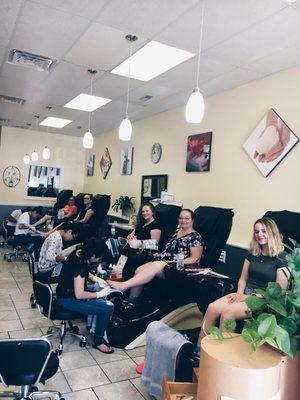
(227, 368)
(290, 376)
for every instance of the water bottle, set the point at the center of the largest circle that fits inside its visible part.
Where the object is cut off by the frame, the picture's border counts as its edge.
(180, 260)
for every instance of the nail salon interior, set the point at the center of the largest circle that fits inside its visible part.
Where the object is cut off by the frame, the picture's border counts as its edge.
(149, 199)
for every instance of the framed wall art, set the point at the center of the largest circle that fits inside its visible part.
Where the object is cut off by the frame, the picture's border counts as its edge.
(126, 161)
(105, 163)
(90, 165)
(270, 142)
(198, 152)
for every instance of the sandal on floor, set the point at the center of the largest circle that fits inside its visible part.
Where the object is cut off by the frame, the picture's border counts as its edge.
(106, 344)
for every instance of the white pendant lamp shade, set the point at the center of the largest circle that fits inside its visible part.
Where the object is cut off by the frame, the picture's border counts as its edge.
(194, 110)
(88, 140)
(46, 153)
(26, 159)
(125, 129)
(34, 156)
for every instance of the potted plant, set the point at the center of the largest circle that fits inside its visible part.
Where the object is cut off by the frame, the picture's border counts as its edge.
(273, 316)
(125, 204)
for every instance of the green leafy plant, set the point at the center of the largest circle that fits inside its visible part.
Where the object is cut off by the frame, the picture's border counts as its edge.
(273, 316)
(123, 203)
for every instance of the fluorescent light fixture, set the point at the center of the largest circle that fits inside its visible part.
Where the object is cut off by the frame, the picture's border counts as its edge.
(152, 60)
(55, 122)
(87, 102)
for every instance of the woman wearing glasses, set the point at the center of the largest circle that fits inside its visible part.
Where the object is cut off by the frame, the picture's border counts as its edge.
(186, 240)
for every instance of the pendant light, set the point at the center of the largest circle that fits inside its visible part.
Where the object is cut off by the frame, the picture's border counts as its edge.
(194, 110)
(88, 140)
(125, 128)
(46, 153)
(34, 156)
(26, 159)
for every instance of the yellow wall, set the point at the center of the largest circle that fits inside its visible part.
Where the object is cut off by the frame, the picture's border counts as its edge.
(233, 181)
(66, 152)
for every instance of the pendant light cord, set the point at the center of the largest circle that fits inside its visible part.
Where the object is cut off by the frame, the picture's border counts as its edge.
(91, 93)
(200, 42)
(128, 81)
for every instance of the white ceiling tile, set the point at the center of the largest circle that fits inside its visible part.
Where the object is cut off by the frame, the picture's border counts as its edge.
(275, 33)
(102, 47)
(282, 59)
(221, 21)
(64, 83)
(8, 16)
(184, 76)
(84, 8)
(113, 86)
(45, 31)
(143, 17)
(158, 93)
(229, 80)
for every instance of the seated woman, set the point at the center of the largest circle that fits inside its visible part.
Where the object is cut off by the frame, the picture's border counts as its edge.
(75, 294)
(186, 239)
(264, 263)
(86, 218)
(146, 228)
(69, 211)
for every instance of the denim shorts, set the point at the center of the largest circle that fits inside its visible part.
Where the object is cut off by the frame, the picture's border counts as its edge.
(249, 292)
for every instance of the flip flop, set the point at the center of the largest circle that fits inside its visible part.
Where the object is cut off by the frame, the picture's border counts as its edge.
(104, 352)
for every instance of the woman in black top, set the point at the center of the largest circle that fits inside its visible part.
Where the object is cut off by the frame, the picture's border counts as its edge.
(264, 263)
(86, 218)
(75, 294)
(146, 228)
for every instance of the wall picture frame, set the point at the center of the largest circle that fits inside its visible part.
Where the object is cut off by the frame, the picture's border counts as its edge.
(270, 142)
(126, 161)
(90, 165)
(105, 163)
(198, 152)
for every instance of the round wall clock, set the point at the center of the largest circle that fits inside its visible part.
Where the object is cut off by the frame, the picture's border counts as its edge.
(11, 176)
(156, 151)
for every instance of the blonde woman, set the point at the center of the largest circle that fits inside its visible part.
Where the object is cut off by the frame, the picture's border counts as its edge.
(264, 263)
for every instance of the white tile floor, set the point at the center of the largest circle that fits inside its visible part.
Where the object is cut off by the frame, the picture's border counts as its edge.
(84, 374)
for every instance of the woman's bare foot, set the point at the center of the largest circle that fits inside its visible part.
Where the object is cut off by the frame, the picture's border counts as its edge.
(117, 285)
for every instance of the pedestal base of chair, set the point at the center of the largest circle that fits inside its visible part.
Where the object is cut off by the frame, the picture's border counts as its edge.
(228, 369)
(289, 378)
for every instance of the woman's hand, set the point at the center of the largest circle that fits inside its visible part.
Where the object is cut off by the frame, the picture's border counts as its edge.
(131, 236)
(135, 244)
(235, 298)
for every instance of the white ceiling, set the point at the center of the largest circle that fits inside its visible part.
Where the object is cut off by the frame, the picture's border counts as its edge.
(243, 41)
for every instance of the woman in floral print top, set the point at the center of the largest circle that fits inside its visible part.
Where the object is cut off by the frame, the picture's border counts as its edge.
(186, 238)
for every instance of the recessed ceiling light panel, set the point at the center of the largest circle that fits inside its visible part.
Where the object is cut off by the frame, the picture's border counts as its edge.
(87, 102)
(152, 60)
(55, 122)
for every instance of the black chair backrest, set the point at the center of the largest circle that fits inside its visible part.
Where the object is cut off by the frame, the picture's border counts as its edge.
(214, 225)
(62, 199)
(101, 205)
(79, 201)
(22, 361)
(167, 216)
(44, 297)
(288, 223)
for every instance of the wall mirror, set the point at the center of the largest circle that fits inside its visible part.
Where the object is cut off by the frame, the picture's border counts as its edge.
(152, 185)
(43, 181)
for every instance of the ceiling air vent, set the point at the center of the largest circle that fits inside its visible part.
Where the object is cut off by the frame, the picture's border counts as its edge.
(146, 98)
(4, 121)
(11, 100)
(22, 58)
